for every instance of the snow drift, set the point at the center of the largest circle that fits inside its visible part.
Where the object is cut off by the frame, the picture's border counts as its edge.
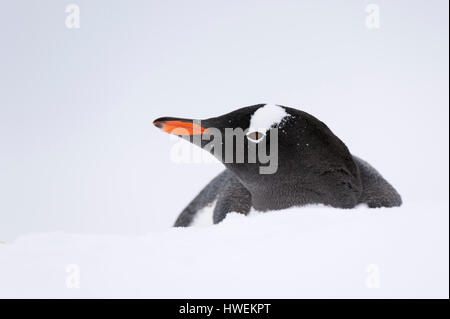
(304, 252)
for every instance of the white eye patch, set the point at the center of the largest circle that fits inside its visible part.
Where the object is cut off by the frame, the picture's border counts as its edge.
(255, 136)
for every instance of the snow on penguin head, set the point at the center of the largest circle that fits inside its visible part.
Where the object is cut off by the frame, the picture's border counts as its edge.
(263, 119)
(267, 116)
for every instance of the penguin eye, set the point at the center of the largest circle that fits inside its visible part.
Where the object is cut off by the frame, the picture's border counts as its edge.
(255, 136)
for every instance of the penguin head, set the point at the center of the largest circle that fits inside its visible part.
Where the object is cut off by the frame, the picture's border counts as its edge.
(236, 137)
(264, 145)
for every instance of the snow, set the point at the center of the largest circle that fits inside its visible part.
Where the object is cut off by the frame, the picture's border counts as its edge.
(296, 253)
(265, 117)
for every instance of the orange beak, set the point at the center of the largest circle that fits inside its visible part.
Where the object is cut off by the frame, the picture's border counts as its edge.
(179, 126)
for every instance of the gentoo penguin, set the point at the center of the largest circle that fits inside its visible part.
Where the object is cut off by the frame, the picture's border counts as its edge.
(312, 165)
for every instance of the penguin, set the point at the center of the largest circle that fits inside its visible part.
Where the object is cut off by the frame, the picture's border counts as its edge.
(313, 166)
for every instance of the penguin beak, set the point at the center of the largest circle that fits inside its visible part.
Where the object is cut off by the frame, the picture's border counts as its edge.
(178, 126)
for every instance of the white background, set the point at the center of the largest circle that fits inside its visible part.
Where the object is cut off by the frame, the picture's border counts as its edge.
(79, 153)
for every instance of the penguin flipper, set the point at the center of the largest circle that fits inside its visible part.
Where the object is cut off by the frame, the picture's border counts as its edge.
(206, 196)
(233, 198)
(377, 192)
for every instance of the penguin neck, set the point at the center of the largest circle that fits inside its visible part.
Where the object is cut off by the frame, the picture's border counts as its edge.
(272, 199)
(278, 192)
(267, 197)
